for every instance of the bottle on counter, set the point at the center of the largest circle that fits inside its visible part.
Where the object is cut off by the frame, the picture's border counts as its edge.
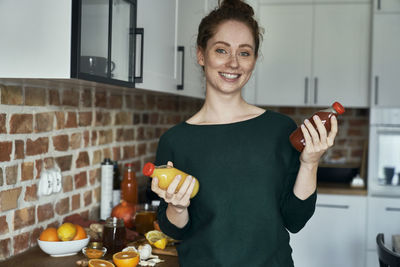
(106, 203)
(116, 185)
(129, 186)
(166, 174)
(297, 138)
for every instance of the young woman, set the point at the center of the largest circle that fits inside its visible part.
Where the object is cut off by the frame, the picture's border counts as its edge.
(254, 186)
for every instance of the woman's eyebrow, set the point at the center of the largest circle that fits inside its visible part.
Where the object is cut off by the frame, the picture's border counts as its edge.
(227, 44)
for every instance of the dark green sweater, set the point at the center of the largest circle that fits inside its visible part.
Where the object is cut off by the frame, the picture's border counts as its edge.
(246, 203)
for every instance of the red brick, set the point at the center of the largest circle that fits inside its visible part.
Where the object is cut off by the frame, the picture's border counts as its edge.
(21, 242)
(354, 132)
(5, 151)
(35, 236)
(145, 118)
(62, 206)
(37, 147)
(71, 120)
(94, 175)
(96, 159)
(85, 215)
(140, 134)
(86, 98)
(107, 153)
(139, 102)
(76, 202)
(116, 153)
(31, 193)
(55, 224)
(357, 153)
(116, 101)
(67, 184)
(136, 166)
(3, 225)
(105, 137)
(26, 171)
(49, 163)
(70, 97)
(3, 123)
(154, 118)
(11, 95)
(19, 149)
(102, 118)
(87, 197)
(101, 99)
(82, 160)
(35, 96)
(141, 149)
(85, 118)
(1, 177)
(5, 251)
(76, 140)
(64, 162)
(12, 174)
(39, 167)
(123, 118)
(60, 120)
(150, 102)
(24, 217)
(153, 147)
(54, 97)
(129, 152)
(86, 138)
(44, 122)
(136, 119)
(96, 194)
(94, 138)
(21, 123)
(45, 212)
(80, 180)
(61, 142)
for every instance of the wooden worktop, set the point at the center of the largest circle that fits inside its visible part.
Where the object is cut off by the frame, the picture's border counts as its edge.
(340, 189)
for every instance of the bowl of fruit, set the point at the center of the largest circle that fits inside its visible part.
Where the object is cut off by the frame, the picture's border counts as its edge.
(66, 240)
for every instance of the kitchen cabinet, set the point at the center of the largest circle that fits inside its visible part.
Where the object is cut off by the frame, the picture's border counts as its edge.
(314, 54)
(386, 60)
(387, 6)
(335, 235)
(84, 39)
(383, 217)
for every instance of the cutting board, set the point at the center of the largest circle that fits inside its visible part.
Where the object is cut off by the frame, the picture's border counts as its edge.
(169, 250)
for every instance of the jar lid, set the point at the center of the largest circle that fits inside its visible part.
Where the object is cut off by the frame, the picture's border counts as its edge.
(148, 168)
(338, 107)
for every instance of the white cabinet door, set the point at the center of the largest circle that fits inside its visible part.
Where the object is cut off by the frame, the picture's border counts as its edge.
(284, 64)
(383, 6)
(386, 61)
(341, 53)
(334, 236)
(159, 20)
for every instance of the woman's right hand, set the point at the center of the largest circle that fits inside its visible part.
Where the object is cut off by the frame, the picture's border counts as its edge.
(178, 200)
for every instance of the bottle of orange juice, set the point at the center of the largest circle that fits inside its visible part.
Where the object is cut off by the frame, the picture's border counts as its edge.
(166, 174)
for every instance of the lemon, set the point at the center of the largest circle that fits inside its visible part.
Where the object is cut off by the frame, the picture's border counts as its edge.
(161, 244)
(157, 239)
(66, 231)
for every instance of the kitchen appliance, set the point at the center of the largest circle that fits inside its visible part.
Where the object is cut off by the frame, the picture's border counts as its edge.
(384, 155)
(95, 65)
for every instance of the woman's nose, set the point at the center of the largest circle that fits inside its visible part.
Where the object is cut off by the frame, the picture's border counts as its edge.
(233, 61)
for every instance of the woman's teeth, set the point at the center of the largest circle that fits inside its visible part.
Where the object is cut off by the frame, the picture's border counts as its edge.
(229, 76)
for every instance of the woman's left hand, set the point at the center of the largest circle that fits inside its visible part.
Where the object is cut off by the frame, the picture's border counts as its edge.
(317, 139)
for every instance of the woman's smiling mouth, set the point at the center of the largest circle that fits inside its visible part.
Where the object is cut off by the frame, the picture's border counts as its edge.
(229, 76)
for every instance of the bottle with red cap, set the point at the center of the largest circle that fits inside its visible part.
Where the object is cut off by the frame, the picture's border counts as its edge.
(129, 186)
(166, 174)
(297, 138)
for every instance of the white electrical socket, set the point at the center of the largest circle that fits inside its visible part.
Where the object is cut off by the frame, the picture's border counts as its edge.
(50, 182)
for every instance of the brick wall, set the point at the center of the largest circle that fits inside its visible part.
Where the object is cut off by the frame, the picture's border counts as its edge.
(76, 127)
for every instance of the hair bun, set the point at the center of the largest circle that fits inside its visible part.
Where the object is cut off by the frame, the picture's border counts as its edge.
(238, 5)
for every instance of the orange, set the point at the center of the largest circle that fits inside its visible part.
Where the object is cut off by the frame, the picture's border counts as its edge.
(126, 259)
(50, 234)
(80, 233)
(66, 231)
(100, 263)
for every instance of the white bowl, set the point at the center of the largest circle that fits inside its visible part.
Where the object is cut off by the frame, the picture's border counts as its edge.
(63, 248)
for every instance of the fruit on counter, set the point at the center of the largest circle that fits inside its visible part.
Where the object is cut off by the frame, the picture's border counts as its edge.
(125, 211)
(166, 174)
(126, 259)
(80, 233)
(66, 231)
(157, 239)
(100, 263)
(49, 234)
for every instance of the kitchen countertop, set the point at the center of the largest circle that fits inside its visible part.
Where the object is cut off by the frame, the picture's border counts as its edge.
(340, 189)
(35, 257)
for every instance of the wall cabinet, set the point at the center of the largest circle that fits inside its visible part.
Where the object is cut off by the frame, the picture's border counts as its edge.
(386, 60)
(314, 54)
(335, 235)
(387, 6)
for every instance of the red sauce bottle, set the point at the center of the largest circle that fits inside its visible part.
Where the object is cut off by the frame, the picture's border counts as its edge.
(297, 138)
(129, 186)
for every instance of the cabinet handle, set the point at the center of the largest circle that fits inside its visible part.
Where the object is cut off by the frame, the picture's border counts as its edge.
(392, 209)
(379, 5)
(376, 89)
(315, 90)
(305, 90)
(332, 206)
(140, 31)
(182, 49)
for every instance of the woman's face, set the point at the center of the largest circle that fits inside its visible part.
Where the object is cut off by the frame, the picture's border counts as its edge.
(229, 58)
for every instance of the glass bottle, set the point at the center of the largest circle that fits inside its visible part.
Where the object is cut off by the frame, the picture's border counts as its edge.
(129, 187)
(297, 138)
(116, 185)
(114, 234)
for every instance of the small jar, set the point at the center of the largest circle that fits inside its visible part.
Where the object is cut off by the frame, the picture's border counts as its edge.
(114, 235)
(145, 216)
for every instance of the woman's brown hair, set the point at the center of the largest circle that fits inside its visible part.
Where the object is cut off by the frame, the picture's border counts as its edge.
(228, 10)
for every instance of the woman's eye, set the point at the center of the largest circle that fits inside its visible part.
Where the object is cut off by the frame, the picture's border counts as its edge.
(221, 51)
(245, 54)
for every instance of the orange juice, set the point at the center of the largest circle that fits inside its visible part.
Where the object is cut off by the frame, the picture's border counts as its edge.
(166, 174)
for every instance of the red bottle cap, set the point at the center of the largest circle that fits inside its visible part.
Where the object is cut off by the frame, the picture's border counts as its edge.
(148, 169)
(338, 107)
(129, 165)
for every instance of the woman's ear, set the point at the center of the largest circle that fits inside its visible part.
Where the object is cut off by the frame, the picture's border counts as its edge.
(200, 56)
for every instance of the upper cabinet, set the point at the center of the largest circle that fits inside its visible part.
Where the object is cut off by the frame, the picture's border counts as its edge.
(385, 89)
(314, 53)
(386, 6)
(85, 39)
